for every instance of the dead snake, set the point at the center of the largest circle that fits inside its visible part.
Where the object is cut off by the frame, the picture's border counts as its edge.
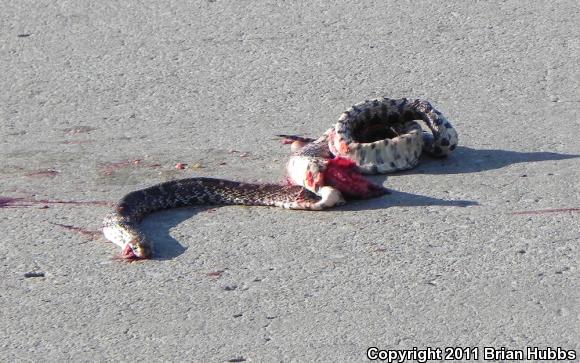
(376, 136)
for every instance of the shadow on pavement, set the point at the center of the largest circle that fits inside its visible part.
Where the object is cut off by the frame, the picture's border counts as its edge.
(157, 227)
(467, 160)
(463, 160)
(166, 247)
(402, 199)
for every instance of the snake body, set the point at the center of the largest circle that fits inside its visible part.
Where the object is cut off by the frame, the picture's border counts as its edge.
(375, 136)
(360, 134)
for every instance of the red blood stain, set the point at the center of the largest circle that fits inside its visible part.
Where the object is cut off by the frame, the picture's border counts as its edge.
(48, 173)
(129, 258)
(8, 202)
(547, 211)
(94, 235)
(310, 179)
(109, 168)
(72, 202)
(215, 274)
(12, 202)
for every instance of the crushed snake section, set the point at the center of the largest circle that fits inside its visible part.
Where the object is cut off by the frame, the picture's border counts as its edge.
(375, 136)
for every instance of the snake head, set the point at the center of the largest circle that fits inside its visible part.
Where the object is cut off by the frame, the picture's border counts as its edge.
(136, 250)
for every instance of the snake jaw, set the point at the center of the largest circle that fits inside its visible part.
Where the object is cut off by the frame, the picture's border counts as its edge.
(128, 253)
(136, 250)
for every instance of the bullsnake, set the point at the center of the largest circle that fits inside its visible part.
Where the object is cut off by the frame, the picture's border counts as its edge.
(374, 136)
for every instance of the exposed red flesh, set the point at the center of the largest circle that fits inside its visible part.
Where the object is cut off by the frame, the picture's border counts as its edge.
(343, 174)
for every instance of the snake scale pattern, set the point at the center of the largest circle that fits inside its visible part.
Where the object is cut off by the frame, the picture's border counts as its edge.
(374, 136)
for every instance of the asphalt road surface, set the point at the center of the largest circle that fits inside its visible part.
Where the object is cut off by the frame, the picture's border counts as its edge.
(101, 98)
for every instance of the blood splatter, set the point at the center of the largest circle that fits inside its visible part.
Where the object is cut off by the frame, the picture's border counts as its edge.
(127, 256)
(91, 234)
(109, 168)
(47, 173)
(73, 202)
(9, 202)
(215, 274)
(19, 202)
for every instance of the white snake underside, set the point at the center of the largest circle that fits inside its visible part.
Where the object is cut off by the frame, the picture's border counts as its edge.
(376, 136)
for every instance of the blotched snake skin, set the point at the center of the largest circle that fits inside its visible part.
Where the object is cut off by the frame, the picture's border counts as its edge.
(376, 136)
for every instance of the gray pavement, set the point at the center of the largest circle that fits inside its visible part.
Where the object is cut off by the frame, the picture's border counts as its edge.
(100, 98)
